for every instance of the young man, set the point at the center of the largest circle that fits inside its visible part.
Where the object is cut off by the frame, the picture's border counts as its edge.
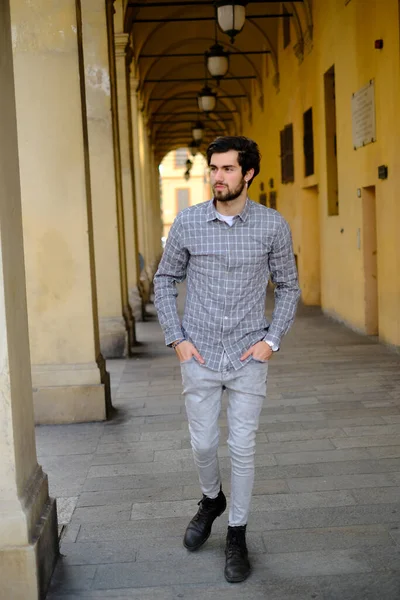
(227, 249)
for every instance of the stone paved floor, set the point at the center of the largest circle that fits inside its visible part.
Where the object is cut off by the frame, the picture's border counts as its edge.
(326, 509)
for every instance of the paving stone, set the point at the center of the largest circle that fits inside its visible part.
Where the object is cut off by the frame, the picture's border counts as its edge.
(65, 508)
(134, 469)
(340, 516)
(95, 484)
(135, 495)
(322, 562)
(382, 495)
(260, 586)
(366, 441)
(103, 514)
(151, 528)
(71, 577)
(201, 569)
(99, 552)
(272, 486)
(363, 586)
(376, 430)
(153, 445)
(305, 500)
(302, 435)
(149, 593)
(155, 436)
(391, 418)
(344, 482)
(322, 456)
(156, 410)
(66, 448)
(70, 532)
(327, 538)
(113, 458)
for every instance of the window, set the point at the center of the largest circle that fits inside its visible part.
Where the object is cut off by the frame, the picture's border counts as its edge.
(308, 143)
(181, 156)
(182, 198)
(287, 159)
(286, 28)
(331, 143)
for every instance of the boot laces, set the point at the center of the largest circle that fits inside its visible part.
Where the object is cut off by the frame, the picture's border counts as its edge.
(207, 507)
(236, 546)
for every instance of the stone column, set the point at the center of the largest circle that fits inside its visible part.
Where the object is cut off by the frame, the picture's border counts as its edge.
(127, 310)
(113, 333)
(28, 519)
(57, 219)
(138, 156)
(151, 202)
(155, 180)
(123, 57)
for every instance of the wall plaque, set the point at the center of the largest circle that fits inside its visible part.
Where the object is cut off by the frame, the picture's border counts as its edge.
(363, 115)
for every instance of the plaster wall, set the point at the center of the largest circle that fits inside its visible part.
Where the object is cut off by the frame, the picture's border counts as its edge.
(344, 37)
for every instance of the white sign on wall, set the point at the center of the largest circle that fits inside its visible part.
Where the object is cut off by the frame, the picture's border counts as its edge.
(363, 115)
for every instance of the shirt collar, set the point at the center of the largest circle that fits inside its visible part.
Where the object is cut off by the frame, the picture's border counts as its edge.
(211, 213)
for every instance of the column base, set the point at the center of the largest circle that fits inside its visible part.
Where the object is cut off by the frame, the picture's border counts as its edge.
(68, 393)
(27, 561)
(130, 328)
(25, 572)
(113, 337)
(69, 404)
(136, 303)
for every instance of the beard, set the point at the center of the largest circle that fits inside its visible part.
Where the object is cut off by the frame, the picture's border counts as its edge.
(226, 196)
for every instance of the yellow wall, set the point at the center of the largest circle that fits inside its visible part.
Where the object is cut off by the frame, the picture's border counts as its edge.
(172, 180)
(344, 36)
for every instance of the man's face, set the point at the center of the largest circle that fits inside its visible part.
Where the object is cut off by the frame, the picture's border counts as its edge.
(226, 177)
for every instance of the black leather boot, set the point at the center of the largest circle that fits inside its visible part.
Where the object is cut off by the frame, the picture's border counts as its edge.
(199, 529)
(237, 566)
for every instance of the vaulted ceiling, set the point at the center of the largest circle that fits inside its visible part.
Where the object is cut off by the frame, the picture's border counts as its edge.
(169, 84)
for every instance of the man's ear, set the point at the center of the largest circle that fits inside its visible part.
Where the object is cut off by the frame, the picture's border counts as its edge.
(249, 175)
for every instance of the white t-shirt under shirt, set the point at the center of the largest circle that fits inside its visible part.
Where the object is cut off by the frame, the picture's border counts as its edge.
(229, 220)
(225, 218)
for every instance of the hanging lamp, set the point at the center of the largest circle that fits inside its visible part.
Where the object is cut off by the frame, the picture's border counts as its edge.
(206, 99)
(231, 16)
(197, 131)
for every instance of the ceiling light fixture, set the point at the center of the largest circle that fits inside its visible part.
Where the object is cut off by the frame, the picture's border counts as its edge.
(206, 99)
(197, 131)
(231, 16)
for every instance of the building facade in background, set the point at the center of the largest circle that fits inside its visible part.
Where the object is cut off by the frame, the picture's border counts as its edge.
(177, 192)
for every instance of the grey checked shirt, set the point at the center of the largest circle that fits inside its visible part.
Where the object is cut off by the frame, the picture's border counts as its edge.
(227, 271)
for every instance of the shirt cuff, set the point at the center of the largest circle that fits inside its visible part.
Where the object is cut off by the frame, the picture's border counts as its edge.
(173, 335)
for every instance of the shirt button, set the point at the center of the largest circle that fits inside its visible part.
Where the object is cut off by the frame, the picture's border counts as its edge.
(226, 318)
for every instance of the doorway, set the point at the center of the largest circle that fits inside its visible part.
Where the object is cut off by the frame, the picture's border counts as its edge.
(370, 258)
(309, 261)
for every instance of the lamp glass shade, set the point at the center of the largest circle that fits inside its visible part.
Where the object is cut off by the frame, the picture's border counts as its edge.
(197, 133)
(217, 65)
(231, 18)
(206, 103)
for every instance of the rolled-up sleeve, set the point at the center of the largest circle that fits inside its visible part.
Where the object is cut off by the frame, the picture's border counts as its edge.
(171, 270)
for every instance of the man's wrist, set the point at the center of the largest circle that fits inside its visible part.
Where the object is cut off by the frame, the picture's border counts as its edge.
(273, 346)
(177, 342)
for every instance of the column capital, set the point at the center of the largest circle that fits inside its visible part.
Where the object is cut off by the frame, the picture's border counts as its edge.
(135, 83)
(121, 42)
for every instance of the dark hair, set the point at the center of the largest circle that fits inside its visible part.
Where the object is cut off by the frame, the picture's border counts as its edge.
(248, 153)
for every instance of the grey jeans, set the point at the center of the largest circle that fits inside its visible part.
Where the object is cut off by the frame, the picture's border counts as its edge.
(203, 389)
